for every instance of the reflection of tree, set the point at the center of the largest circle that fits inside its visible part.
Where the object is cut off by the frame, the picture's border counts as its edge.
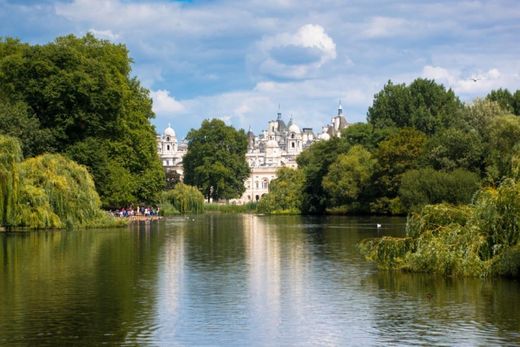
(422, 308)
(93, 286)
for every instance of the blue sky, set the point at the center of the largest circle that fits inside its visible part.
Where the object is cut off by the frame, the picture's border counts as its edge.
(239, 60)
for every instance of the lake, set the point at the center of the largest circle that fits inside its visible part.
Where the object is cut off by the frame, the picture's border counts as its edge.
(238, 280)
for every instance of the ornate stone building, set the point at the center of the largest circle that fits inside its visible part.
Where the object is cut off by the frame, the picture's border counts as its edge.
(275, 147)
(170, 151)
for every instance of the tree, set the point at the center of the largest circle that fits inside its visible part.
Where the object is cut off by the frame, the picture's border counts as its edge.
(215, 161)
(479, 115)
(172, 178)
(10, 156)
(16, 121)
(315, 162)
(366, 134)
(400, 153)
(454, 148)
(185, 198)
(78, 93)
(503, 143)
(285, 192)
(423, 105)
(428, 186)
(348, 175)
(508, 101)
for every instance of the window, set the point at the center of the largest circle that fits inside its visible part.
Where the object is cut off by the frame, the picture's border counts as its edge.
(257, 198)
(168, 147)
(264, 184)
(292, 144)
(168, 138)
(292, 136)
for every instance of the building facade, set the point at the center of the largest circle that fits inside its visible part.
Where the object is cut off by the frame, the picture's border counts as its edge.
(171, 151)
(275, 147)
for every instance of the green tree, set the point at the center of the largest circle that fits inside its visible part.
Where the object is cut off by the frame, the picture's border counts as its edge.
(423, 105)
(285, 192)
(366, 134)
(185, 198)
(503, 143)
(10, 156)
(400, 153)
(16, 121)
(215, 162)
(509, 102)
(454, 148)
(315, 162)
(348, 175)
(428, 186)
(479, 115)
(78, 92)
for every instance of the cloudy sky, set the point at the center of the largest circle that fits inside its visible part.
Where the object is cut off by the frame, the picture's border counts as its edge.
(239, 60)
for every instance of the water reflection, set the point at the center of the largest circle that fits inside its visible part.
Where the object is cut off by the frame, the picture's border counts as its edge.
(238, 280)
(65, 287)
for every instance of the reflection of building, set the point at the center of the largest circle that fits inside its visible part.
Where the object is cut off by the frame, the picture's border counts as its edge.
(170, 151)
(275, 147)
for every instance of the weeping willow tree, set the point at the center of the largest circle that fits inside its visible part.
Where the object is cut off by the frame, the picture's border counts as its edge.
(185, 198)
(56, 193)
(10, 156)
(481, 239)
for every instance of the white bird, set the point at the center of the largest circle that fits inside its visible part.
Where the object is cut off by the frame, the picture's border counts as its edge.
(378, 225)
(475, 79)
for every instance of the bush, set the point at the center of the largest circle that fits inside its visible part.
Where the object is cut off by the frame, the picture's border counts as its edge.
(433, 217)
(285, 192)
(387, 252)
(477, 240)
(56, 192)
(428, 186)
(185, 199)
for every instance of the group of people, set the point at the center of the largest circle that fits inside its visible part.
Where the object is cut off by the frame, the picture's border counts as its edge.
(139, 211)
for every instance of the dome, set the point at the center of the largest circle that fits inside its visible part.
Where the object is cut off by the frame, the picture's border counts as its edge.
(169, 131)
(294, 128)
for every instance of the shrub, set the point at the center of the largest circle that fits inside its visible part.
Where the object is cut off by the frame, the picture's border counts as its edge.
(185, 198)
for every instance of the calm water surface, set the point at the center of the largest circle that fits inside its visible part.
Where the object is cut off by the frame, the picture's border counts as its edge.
(238, 280)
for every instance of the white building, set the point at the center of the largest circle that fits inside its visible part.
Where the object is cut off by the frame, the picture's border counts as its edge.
(170, 151)
(275, 147)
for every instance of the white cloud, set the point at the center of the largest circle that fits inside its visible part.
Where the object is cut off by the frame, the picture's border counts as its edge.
(164, 104)
(104, 34)
(384, 27)
(295, 55)
(475, 84)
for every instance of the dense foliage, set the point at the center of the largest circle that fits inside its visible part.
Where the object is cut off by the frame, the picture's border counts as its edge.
(285, 193)
(216, 160)
(185, 199)
(421, 146)
(481, 239)
(47, 191)
(76, 96)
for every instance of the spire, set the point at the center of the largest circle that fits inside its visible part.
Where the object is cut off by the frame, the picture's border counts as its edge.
(279, 114)
(340, 108)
